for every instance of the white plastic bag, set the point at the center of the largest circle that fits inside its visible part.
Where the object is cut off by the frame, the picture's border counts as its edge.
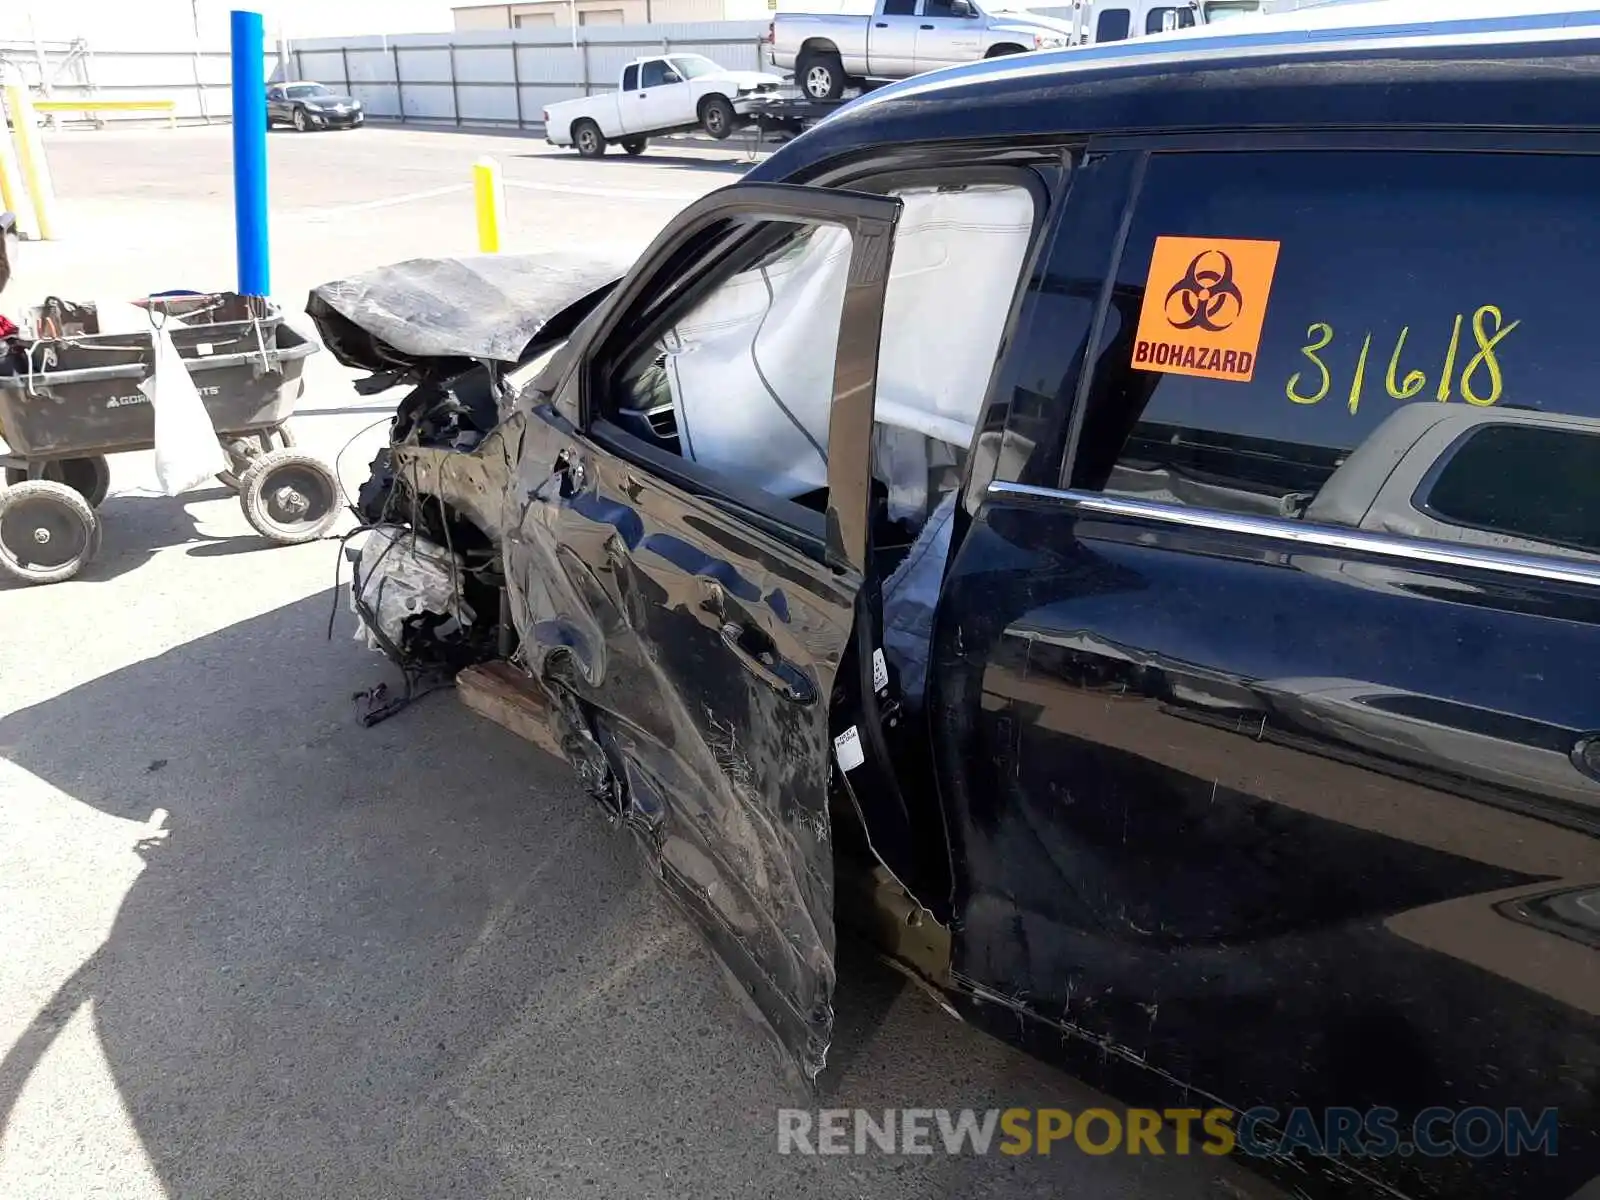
(187, 450)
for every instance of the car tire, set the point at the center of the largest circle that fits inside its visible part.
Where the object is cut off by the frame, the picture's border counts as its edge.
(47, 532)
(586, 136)
(717, 116)
(90, 477)
(301, 123)
(820, 75)
(634, 146)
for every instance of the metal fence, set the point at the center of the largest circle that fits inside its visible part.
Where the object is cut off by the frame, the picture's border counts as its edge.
(197, 81)
(504, 78)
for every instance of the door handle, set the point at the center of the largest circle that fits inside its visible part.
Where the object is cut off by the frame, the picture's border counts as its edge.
(924, 26)
(881, 25)
(763, 662)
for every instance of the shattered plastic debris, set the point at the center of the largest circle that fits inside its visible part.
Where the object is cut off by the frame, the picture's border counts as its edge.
(400, 575)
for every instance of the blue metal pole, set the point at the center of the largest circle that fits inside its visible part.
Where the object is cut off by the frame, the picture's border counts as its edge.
(250, 153)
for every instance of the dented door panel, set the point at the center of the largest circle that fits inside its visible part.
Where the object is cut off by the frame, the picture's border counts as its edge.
(691, 653)
(624, 592)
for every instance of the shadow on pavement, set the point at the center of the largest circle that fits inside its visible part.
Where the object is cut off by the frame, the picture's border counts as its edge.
(134, 527)
(412, 961)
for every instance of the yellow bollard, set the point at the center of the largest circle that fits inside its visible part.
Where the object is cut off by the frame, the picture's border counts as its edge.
(490, 195)
(13, 198)
(30, 154)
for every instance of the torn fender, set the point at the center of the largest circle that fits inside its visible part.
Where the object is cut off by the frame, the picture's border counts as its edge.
(473, 483)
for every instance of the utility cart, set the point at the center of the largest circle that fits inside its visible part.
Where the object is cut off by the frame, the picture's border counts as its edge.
(70, 396)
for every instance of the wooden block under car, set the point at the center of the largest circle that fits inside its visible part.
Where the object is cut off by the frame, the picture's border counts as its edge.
(510, 699)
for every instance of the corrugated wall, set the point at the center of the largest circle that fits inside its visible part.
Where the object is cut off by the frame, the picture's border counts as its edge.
(505, 77)
(197, 82)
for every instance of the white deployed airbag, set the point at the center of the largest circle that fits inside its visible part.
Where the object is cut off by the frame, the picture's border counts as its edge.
(751, 369)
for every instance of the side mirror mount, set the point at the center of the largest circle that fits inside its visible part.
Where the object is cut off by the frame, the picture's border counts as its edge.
(962, 8)
(672, 77)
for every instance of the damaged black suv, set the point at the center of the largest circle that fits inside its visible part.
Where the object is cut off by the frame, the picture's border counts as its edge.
(1132, 515)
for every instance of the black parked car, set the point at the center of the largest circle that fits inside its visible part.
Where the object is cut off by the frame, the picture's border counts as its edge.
(312, 106)
(1138, 509)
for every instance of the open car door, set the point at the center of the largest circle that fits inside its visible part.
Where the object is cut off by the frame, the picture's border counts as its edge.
(688, 542)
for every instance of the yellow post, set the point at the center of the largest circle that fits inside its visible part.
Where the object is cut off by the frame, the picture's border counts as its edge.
(490, 195)
(30, 153)
(13, 198)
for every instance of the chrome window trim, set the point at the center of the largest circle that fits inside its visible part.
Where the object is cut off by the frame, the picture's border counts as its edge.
(1321, 537)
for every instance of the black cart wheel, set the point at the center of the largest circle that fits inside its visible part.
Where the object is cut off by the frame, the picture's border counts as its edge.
(634, 145)
(717, 116)
(89, 477)
(289, 497)
(47, 531)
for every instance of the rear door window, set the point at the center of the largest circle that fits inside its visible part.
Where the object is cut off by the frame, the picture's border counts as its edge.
(1289, 309)
(630, 77)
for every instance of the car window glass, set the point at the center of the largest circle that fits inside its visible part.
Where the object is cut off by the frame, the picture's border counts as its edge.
(653, 73)
(1156, 19)
(899, 8)
(740, 381)
(1524, 482)
(1302, 325)
(1112, 25)
(936, 8)
(1040, 375)
(630, 77)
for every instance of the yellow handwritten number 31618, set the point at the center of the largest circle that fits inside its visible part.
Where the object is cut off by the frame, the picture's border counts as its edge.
(1489, 329)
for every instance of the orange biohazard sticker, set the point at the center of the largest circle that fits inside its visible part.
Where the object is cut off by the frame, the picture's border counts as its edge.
(1204, 302)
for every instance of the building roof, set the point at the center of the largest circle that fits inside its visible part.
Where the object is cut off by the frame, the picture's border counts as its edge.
(1418, 63)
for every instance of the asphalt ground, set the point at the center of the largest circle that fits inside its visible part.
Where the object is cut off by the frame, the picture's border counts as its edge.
(250, 948)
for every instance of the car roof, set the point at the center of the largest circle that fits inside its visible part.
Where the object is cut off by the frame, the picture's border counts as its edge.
(1469, 64)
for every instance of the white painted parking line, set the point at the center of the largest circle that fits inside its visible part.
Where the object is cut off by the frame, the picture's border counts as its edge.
(607, 193)
(340, 210)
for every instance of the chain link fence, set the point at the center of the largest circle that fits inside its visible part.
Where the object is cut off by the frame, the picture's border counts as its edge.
(503, 79)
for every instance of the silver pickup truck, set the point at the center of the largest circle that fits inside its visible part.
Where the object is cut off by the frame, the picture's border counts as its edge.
(897, 38)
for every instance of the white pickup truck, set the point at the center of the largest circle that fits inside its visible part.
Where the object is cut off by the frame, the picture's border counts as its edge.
(894, 39)
(657, 95)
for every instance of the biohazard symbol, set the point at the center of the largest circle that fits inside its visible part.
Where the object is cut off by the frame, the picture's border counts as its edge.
(1206, 297)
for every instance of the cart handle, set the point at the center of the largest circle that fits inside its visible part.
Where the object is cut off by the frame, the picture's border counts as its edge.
(48, 379)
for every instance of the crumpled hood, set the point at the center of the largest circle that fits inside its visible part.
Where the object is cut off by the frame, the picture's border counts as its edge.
(487, 307)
